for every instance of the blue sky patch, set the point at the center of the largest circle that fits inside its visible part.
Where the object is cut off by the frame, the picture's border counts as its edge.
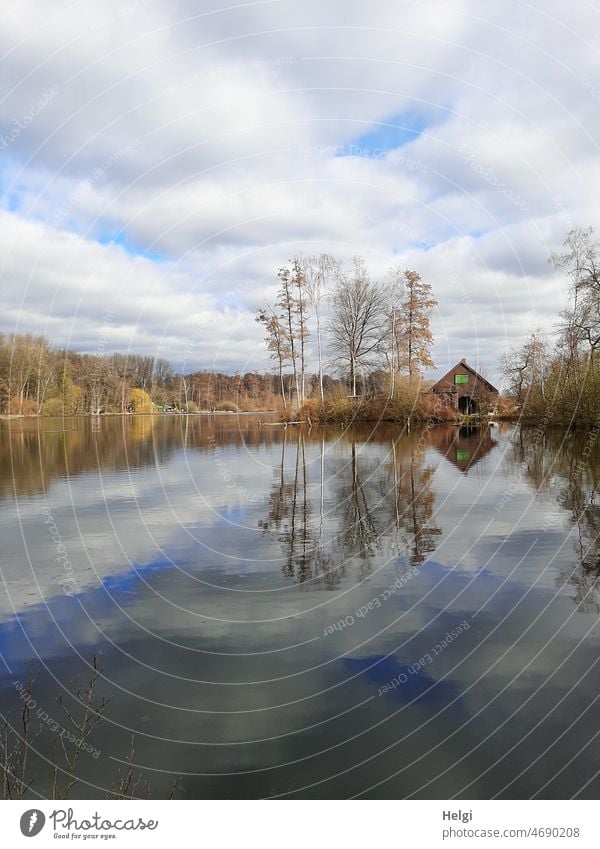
(120, 238)
(385, 136)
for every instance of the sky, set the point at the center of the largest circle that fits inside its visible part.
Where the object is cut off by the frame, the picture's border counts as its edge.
(160, 160)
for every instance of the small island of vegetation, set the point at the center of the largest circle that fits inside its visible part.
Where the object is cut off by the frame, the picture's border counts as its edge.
(373, 346)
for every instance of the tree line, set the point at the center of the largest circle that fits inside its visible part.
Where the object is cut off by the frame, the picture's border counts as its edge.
(37, 378)
(374, 328)
(364, 334)
(554, 376)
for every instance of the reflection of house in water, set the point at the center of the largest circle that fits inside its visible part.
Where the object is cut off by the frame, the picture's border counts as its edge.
(466, 390)
(464, 447)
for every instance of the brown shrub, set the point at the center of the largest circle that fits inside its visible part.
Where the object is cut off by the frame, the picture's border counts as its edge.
(227, 407)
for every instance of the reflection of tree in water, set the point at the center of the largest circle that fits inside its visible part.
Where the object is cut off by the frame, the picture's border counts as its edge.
(376, 506)
(289, 515)
(414, 502)
(35, 452)
(359, 535)
(579, 463)
(568, 464)
(392, 502)
(533, 455)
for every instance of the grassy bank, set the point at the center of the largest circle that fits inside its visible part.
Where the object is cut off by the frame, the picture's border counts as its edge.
(412, 406)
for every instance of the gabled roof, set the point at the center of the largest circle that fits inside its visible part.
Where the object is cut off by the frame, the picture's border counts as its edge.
(464, 366)
(463, 447)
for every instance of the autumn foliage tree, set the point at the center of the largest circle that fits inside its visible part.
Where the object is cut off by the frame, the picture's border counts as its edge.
(412, 332)
(140, 401)
(292, 305)
(277, 342)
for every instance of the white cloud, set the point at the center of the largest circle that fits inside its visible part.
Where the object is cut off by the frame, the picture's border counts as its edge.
(207, 137)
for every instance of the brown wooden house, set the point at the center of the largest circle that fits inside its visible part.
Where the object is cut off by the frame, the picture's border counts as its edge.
(466, 390)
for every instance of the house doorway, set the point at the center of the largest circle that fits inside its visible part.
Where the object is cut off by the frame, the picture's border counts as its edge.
(466, 405)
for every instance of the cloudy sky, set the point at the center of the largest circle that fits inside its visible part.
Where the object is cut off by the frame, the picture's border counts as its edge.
(160, 160)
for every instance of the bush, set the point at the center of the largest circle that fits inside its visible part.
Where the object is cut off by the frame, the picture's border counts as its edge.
(310, 409)
(25, 406)
(433, 408)
(409, 402)
(72, 399)
(335, 409)
(227, 407)
(406, 403)
(190, 407)
(506, 407)
(53, 407)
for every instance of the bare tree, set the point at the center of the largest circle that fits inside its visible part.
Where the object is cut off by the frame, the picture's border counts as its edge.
(583, 321)
(301, 310)
(317, 271)
(526, 367)
(581, 261)
(393, 342)
(27, 375)
(359, 320)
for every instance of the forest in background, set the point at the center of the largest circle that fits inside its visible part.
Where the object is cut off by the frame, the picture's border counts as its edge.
(372, 343)
(37, 378)
(376, 341)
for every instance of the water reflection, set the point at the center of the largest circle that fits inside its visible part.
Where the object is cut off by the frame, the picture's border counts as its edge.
(215, 560)
(337, 499)
(413, 498)
(33, 452)
(289, 516)
(463, 446)
(564, 468)
(337, 507)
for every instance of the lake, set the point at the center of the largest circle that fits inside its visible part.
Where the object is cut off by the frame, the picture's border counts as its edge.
(324, 612)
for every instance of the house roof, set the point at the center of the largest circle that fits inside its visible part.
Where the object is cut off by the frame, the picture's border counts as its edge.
(465, 367)
(463, 447)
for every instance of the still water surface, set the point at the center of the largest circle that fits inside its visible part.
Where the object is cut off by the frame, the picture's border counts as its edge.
(272, 607)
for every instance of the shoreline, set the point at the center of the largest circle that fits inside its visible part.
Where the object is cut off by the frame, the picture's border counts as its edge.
(29, 416)
(427, 421)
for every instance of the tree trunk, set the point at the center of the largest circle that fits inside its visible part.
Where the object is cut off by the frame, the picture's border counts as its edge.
(319, 352)
(282, 385)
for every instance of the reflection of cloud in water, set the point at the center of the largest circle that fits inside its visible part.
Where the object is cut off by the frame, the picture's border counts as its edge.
(401, 682)
(216, 597)
(322, 684)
